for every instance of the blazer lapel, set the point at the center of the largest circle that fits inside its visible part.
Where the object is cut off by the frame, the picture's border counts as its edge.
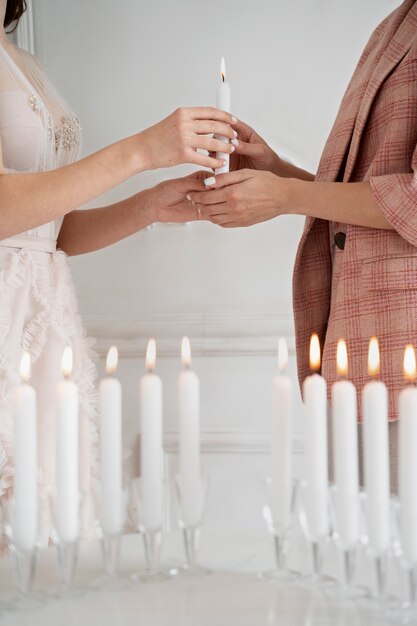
(400, 43)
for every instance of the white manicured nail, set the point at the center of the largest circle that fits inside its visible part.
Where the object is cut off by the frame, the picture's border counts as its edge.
(188, 197)
(235, 142)
(209, 181)
(234, 119)
(232, 149)
(235, 133)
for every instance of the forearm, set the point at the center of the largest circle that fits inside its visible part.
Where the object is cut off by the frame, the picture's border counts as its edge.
(30, 200)
(347, 203)
(287, 170)
(91, 229)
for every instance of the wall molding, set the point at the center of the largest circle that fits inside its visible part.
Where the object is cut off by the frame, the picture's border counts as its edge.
(214, 334)
(231, 442)
(25, 37)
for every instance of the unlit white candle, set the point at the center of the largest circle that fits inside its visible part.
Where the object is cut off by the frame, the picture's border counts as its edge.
(189, 418)
(110, 392)
(67, 497)
(376, 456)
(25, 493)
(151, 443)
(316, 456)
(223, 102)
(345, 451)
(407, 459)
(281, 442)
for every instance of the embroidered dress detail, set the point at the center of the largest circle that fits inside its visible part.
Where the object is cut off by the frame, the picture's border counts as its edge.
(68, 133)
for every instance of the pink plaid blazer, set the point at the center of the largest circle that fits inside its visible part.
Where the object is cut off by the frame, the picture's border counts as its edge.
(370, 286)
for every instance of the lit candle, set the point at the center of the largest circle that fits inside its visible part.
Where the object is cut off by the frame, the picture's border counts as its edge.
(376, 454)
(345, 452)
(281, 441)
(189, 417)
(151, 457)
(223, 102)
(25, 493)
(111, 448)
(407, 459)
(316, 459)
(67, 497)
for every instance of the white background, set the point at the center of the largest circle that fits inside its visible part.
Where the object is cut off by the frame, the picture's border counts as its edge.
(123, 65)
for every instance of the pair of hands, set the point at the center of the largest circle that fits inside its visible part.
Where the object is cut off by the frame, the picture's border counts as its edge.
(245, 196)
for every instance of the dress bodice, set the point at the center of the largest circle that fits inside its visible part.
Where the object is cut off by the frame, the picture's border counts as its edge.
(38, 129)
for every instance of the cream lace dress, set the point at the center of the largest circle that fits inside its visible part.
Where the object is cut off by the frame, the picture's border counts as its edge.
(38, 308)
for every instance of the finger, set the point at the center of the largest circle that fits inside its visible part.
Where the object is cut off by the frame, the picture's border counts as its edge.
(211, 144)
(201, 174)
(244, 131)
(202, 160)
(208, 197)
(209, 211)
(231, 178)
(252, 150)
(220, 219)
(211, 113)
(206, 127)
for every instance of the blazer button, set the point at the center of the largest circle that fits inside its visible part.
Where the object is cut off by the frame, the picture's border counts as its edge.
(340, 240)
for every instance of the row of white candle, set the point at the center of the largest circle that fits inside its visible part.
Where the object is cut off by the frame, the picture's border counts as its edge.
(66, 500)
(345, 451)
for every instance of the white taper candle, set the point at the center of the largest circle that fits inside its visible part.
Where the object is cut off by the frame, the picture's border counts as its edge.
(25, 492)
(110, 392)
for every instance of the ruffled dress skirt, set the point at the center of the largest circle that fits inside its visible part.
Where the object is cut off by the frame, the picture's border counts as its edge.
(38, 313)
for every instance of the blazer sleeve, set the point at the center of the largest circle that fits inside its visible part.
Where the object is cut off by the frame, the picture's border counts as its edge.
(396, 196)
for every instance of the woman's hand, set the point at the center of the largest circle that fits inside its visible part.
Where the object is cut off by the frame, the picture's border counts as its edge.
(168, 202)
(242, 198)
(177, 138)
(252, 152)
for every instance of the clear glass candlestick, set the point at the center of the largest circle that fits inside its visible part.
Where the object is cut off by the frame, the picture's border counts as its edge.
(23, 562)
(347, 588)
(66, 551)
(152, 537)
(403, 608)
(318, 542)
(190, 522)
(111, 543)
(281, 531)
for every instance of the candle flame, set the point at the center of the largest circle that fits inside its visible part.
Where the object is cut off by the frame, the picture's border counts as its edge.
(282, 354)
(112, 360)
(151, 355)
(342, 358)
(373, 357)
(66, 364)
(315, 357)
(409, 363)
(223, 69)
(24, 369)
(186, 352)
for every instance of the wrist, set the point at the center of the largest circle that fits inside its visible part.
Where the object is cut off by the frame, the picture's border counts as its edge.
(296, 192)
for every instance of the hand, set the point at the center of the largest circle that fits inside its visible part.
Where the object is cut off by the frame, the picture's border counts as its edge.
(251, 151)
(177, 138)
(168, 202)
(242, 198)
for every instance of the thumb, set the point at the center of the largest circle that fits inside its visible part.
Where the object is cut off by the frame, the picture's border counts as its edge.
(252, 150)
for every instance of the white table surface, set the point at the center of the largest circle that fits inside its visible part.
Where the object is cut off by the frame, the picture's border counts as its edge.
(230, 596)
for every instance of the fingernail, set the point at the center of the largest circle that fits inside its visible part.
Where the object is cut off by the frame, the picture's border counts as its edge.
(235, 133)
(232, 149)
(234, 119)
(188, 197)
(209, 181)
(235, 142)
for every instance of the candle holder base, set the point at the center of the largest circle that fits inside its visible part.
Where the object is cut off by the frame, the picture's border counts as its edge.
(110, 580)
(23, 567)
(191, 533)
(152, 542)
(66, 561)
(317, 580)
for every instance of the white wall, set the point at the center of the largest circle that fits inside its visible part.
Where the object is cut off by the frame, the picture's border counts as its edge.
(123, 66)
